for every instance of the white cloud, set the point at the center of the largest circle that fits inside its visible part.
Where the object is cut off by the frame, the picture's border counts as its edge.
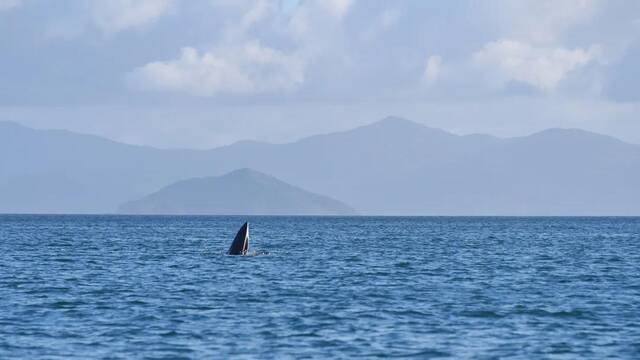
(338, 8)
(318, 17)
(249, 69)
(433, 68)
(242, 17)
(9, 4)
(116, 15)
(389, 18)
(257, 12)
(541, 21)
(542, 67)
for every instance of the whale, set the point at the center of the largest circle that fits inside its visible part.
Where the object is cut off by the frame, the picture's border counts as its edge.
(240, 244)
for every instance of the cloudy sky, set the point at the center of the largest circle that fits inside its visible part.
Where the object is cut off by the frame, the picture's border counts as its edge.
(203, 73)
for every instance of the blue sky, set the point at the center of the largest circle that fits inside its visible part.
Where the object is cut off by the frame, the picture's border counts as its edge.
(203, 73)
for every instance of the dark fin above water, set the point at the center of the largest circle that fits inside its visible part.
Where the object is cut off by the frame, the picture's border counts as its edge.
(240, 245)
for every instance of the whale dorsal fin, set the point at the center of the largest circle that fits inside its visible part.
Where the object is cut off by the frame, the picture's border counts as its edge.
(240, 244)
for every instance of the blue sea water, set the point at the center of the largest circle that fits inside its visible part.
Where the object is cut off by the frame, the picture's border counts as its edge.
(417, 287)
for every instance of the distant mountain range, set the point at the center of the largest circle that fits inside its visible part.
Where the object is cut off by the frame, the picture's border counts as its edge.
(393, 166)
(240, 192)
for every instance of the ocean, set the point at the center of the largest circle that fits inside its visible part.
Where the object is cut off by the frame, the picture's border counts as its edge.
(118, 287)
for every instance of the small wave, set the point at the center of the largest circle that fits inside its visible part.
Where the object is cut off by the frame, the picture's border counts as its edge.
(407, 312)
(425, 353)
(253, 253)
(260, 253)
(170, 333)
(488, 314)
(136, 302)
(575, 313)
(62, 304)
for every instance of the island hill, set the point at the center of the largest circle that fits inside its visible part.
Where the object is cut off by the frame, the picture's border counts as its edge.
(240, 192)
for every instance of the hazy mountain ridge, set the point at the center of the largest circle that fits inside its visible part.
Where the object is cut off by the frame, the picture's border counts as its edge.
(240, 192)
(114, 172)
(393, 166)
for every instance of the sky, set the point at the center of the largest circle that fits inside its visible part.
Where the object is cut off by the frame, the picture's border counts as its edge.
(205, 73)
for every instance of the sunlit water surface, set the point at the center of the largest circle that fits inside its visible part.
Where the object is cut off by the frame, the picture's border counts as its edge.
(161, 287)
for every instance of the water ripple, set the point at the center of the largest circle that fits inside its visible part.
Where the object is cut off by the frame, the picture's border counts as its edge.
(162, 287)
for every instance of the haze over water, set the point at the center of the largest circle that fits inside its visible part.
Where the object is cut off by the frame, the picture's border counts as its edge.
(161, 287)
